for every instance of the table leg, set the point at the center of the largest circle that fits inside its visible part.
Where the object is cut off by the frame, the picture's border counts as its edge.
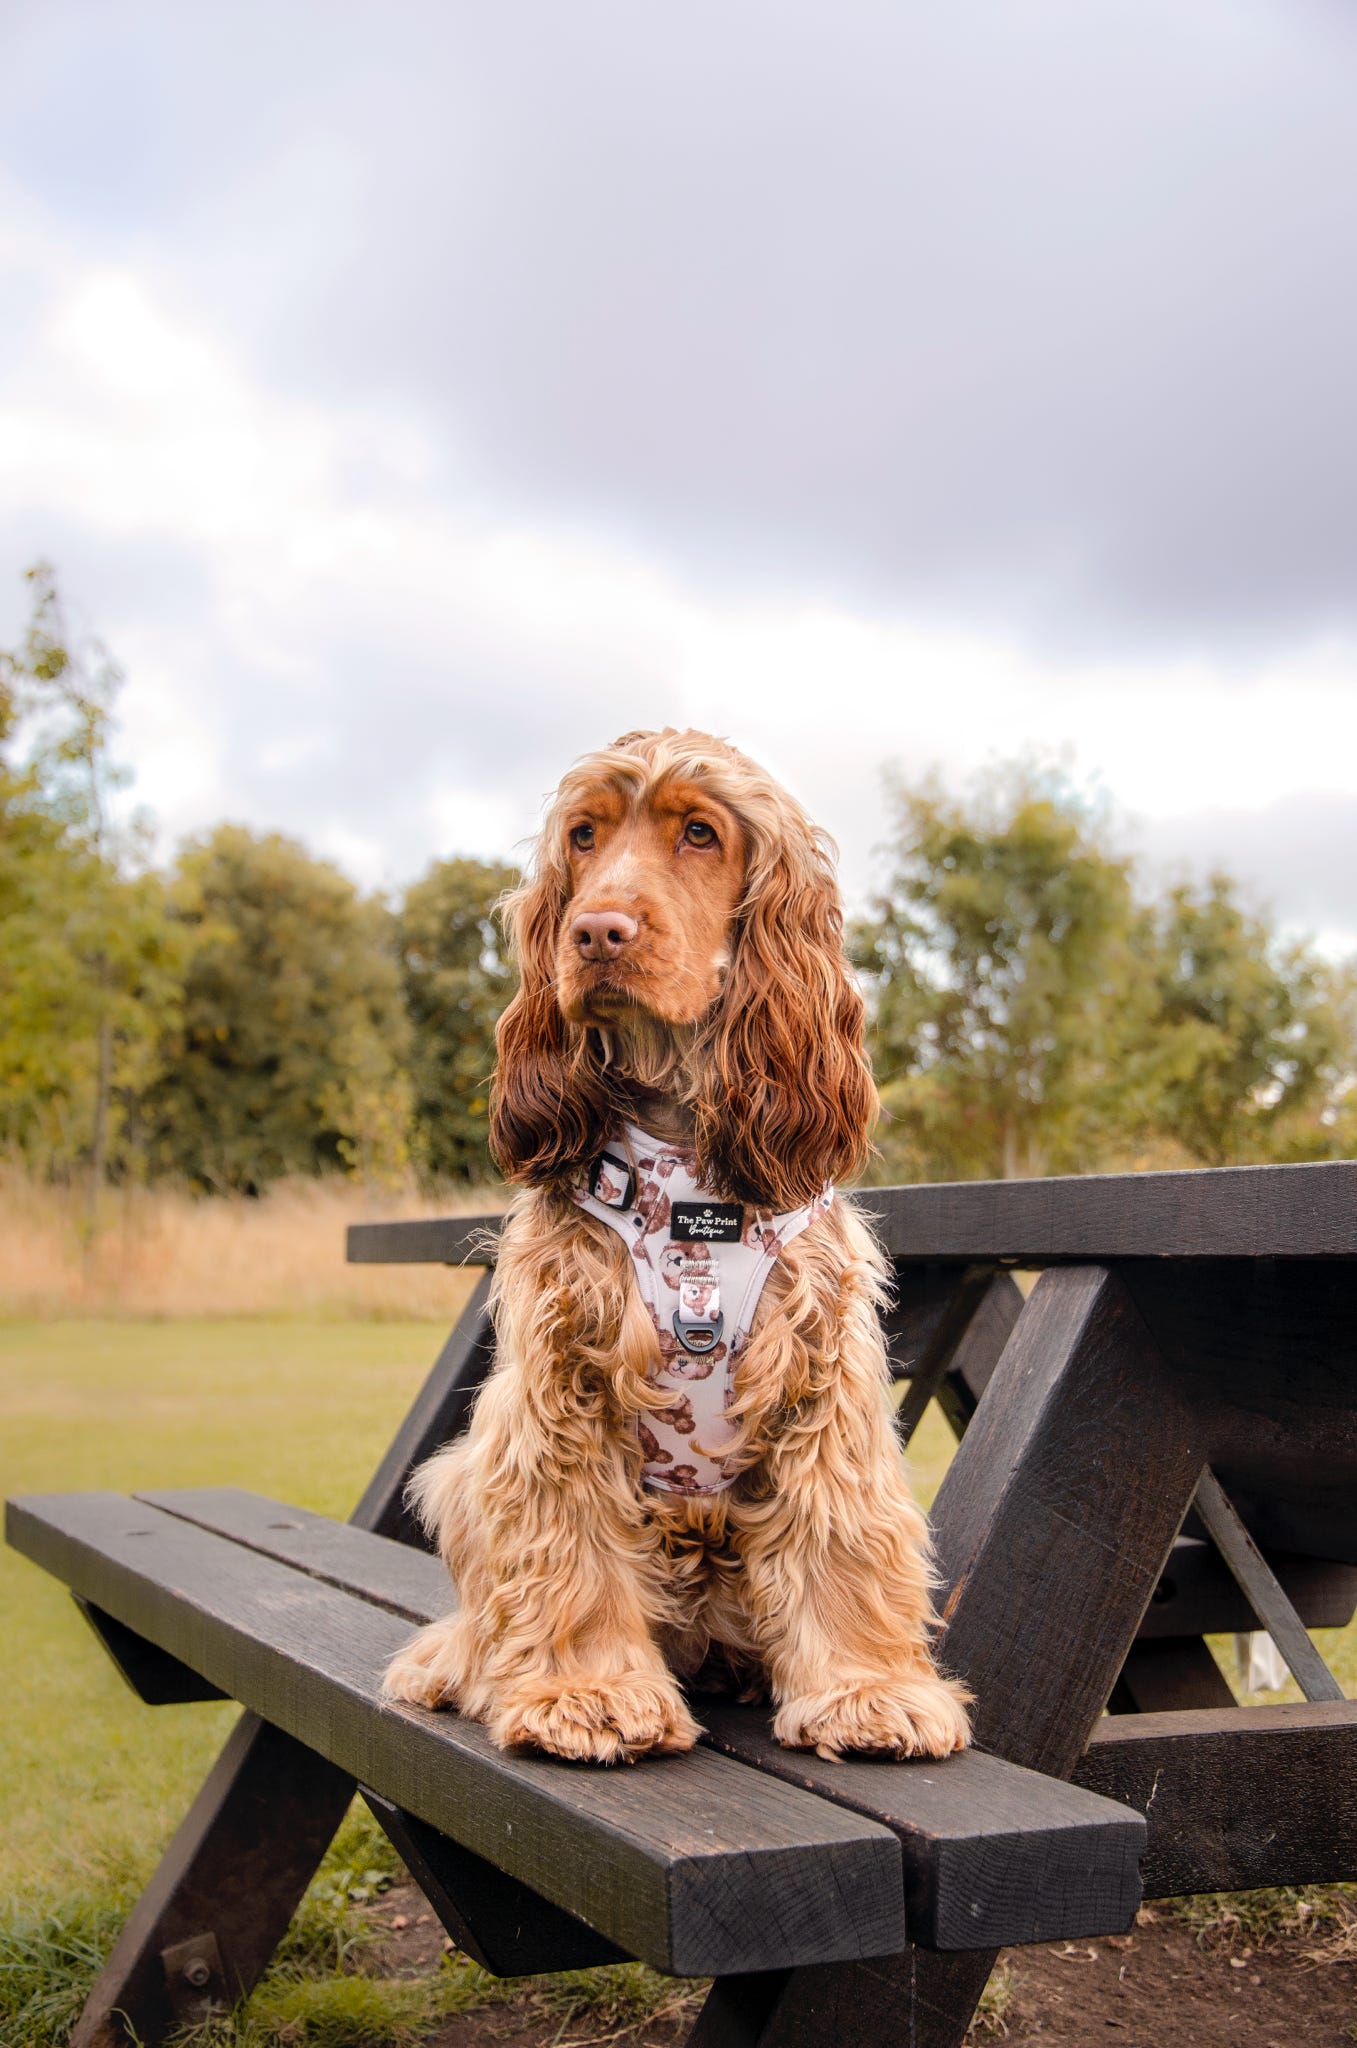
(253, 1838)
(1052, 1527)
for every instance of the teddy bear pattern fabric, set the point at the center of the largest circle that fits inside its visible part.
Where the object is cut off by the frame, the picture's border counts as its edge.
(701, 1265)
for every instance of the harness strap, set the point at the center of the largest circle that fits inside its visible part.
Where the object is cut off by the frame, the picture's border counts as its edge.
(701, 1265)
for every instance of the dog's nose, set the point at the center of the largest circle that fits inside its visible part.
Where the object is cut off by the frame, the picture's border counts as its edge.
(601, 934)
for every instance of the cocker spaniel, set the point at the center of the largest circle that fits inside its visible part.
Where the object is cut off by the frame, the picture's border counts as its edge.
(682, 1465)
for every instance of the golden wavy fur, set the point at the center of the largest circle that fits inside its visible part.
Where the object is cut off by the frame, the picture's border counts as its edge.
(713, 1005)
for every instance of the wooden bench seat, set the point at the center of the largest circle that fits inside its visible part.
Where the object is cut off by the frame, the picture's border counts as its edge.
(741, 1857)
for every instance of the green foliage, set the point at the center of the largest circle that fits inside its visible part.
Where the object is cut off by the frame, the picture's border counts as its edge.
(288, 1054)
(1000, 967)
(456, 981)
(1035, 1008)
(89, 961)
(1033, 1012)
(1244, 1046)
(49, 1957)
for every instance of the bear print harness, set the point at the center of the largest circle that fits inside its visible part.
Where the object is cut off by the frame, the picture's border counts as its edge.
(701, 1265)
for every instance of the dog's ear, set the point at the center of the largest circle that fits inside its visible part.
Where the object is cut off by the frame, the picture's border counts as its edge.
(782, 1090)
(548, 1109)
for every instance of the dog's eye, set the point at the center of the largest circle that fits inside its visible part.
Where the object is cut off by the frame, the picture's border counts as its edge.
(581, 837)
(698, 833)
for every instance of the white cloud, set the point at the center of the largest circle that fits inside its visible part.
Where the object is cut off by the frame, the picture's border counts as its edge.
(329, 632)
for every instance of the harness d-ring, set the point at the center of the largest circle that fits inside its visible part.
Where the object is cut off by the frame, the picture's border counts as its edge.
(699, 1338)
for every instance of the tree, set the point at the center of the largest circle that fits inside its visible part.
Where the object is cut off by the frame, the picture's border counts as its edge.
(88, 960)
(1001, 977)
(457, 980)
(289, 1054)
(1034, 1010)
(1243, 1051)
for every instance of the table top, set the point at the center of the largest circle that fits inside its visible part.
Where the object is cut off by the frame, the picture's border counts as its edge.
(1234, 1212)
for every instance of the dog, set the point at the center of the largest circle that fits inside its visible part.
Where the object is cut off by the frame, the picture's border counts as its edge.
(682, 1467)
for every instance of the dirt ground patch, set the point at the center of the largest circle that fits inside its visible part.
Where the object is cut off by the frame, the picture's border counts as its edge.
(1157, 1987)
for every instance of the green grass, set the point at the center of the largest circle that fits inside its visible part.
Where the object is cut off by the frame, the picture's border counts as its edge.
(94, 1781)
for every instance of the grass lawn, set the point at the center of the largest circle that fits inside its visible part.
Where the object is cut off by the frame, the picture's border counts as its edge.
(94, 1779)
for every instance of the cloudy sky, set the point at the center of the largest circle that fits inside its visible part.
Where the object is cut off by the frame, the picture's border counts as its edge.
(416, 394)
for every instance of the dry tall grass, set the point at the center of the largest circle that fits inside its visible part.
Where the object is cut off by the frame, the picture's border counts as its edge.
(161, 1252)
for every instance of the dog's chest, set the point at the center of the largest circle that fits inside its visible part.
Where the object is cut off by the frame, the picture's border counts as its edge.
(701, 1265)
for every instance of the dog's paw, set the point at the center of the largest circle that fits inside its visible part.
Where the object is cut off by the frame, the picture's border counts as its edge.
(609, 1721)
(922, 1715)
(428, 1672)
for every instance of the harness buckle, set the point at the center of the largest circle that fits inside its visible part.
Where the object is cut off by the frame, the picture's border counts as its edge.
(699, 1338)
(612, 1182)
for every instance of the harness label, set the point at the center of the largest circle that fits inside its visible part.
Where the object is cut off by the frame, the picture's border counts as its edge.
(707, 1222)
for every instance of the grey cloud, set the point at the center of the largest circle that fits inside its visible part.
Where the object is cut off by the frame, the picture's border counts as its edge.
(1040, 315)
(1297, 855)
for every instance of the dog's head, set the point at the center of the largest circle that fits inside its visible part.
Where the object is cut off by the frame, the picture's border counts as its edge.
(680, 897)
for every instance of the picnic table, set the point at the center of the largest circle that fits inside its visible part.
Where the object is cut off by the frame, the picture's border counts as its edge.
(1158, 1442)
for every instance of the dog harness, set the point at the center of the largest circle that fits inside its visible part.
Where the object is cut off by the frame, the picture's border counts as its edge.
(701, 1265)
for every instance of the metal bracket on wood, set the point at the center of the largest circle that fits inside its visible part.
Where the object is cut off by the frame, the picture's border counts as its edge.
(194, 1977)
(1259, 1585)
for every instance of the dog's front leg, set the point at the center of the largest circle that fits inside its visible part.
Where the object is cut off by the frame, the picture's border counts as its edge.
(539, 1518)
(837, 1576)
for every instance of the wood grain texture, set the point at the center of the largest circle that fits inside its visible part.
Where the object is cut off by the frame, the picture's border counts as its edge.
(925, 1328)
(409, 1583)
(157, 1680)
(1230, 1212)
(1235, 1798)
(425, 1241)
(1263, 1351)
(1057, 1515)
(1052, 1527)
(989, 1851)
(1196, 1595)
(994, 1855)
(502, 1925)
(1167, 1674)
(972, 1364)
(223, 1874)
(1263, 1590)
(695, 1864)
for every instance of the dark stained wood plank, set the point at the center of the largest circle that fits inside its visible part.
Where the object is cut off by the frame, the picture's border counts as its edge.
(498, 1922)
(695, 1864)
(1237, 1798)
(1057, 1515)
(989, 1850)
(406, 1582)
(1196, 1595)
(921, 1296)
(926, 1344)
(441, 1410)
(1263, 1351)
(223, 1874)
(157, 1680)
(1260, 1586)
(973, 1363)
(1237, 1212)
(994, 1855)
(1167, 1674)
(1234, 1212)
(425, 1241)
